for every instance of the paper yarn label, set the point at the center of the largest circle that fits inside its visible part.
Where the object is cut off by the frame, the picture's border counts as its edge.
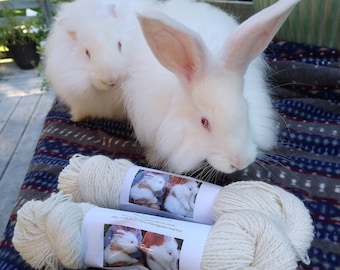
(168, 195)
(115, 239)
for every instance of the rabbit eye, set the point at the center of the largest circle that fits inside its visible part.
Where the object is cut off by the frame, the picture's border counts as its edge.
(205, 123)
(119, 46)
(88, 53)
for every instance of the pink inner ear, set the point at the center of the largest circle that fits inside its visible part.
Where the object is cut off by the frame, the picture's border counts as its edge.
(172, 53)
(72, 34)
(175, 55)
(175, 47)
(252, 37)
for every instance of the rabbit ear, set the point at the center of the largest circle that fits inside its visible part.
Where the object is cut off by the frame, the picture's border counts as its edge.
(70, 31)
(109, 10)
(252, 37)
(120, 232)
(168, 238)
(113, 10)
(176, 47)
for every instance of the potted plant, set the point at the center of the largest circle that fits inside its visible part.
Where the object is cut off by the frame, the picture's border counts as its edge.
(22, 37)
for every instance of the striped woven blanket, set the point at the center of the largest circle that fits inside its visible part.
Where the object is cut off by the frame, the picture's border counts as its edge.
(306, 89)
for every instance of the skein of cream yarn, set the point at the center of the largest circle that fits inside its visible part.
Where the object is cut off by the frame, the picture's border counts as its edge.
(47, 233)
(98, 180)
(247, 240)
(48, 236)
(272, 200)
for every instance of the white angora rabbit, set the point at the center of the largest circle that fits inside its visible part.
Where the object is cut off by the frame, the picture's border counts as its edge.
(196, 89)
(84, 56)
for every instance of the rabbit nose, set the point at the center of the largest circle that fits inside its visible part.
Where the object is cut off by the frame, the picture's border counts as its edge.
(109, 82)
(238, 163)
(234, 163)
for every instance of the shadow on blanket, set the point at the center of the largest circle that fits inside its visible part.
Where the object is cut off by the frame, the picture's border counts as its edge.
(306, 162)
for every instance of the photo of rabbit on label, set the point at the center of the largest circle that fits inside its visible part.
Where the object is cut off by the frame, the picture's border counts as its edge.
(127, 246)
(164, 192)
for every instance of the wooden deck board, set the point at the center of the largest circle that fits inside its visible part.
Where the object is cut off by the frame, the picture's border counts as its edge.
(7, 106)
(23, 108)
(14, 129)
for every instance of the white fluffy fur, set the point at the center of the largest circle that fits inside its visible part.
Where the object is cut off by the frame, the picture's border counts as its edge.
(166, 103)
(89, 85)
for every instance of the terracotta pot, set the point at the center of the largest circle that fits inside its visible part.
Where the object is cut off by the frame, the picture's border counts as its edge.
(25, 56)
